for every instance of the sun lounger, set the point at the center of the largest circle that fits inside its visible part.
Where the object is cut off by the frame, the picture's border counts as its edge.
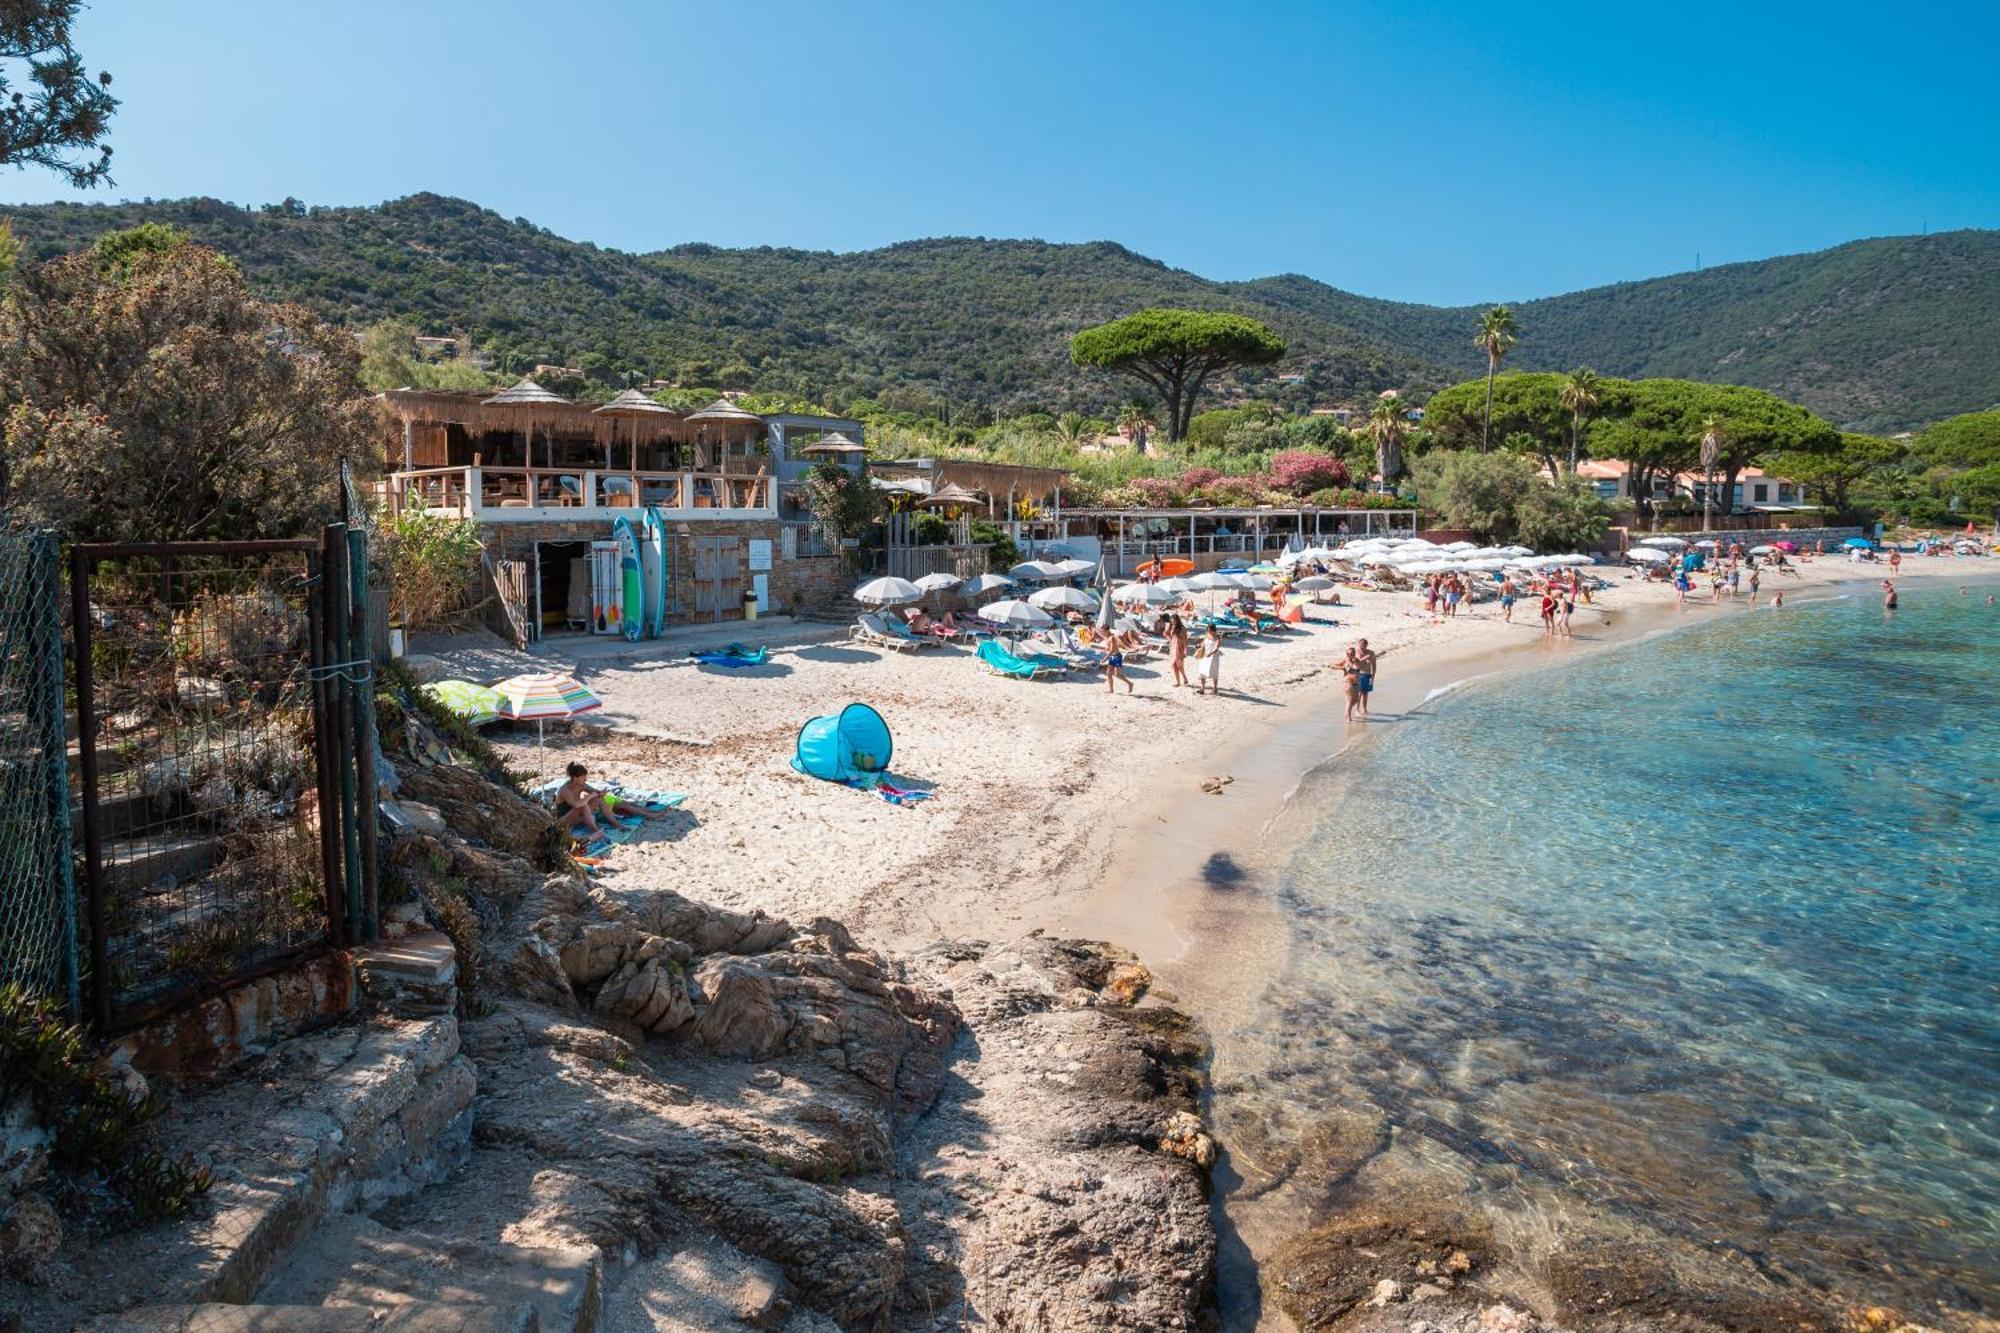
(1227, 627)
(875, 631)
(1003, 663)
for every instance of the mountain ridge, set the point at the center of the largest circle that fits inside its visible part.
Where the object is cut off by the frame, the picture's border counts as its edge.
(1880, 333)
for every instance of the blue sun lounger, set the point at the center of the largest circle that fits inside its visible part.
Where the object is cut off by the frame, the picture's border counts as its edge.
(1003, 663)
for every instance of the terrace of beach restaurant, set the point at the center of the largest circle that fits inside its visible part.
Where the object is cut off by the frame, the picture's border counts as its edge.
(1209, 535)
(527, 453)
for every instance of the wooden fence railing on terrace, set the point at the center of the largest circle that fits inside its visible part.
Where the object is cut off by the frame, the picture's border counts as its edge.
(505, 493)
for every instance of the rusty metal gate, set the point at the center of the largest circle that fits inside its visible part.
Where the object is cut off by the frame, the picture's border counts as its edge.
(225, 737)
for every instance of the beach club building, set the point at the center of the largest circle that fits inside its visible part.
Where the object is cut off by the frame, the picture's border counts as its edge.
(545, 477)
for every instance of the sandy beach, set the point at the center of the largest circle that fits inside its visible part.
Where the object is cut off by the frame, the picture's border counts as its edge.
(1046, 794)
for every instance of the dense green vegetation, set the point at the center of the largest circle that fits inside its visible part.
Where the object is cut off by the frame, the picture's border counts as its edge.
(1879, 335)
(1175, 353)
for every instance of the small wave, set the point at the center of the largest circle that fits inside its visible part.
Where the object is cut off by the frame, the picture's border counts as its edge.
(1451, 687)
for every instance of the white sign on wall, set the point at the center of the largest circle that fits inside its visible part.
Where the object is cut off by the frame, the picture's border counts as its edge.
(760, 553)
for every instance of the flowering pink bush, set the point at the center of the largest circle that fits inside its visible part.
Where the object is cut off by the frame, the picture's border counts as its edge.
(1197, 477)
(1156, 492)
(1303, 471)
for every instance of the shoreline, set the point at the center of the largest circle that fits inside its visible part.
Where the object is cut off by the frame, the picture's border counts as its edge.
(1205, 935)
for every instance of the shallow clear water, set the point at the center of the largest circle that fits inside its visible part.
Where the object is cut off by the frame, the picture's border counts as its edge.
(1704, 929)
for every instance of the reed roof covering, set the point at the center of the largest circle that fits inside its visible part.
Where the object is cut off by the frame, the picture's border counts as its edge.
(632, 403)
(836, 443)
(526, 391)
(724, 410)
(479, 414)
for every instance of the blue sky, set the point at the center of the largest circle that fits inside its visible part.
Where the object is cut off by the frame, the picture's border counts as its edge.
(1445, 152)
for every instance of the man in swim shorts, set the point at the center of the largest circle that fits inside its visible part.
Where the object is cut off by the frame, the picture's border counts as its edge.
(1365, 662)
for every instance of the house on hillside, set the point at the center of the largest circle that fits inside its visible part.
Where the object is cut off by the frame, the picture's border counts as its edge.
(1755, 489)
(544, 477)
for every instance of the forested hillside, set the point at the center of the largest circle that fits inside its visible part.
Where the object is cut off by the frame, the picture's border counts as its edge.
(1879, 334)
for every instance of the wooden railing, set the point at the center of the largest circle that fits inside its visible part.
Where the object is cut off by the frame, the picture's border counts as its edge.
(541, 492)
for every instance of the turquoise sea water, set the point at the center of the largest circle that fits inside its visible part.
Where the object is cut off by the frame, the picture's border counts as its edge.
(1704, 929)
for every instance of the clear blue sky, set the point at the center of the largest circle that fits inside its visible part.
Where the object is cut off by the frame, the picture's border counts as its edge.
(1449, 152)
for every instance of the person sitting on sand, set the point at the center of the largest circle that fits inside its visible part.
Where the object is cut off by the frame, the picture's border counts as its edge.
(578, 804)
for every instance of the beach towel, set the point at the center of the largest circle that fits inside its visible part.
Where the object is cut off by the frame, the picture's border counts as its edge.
(888, 791)
(733, 656)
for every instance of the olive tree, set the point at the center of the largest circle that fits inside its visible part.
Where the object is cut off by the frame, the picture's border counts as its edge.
(1176, 353)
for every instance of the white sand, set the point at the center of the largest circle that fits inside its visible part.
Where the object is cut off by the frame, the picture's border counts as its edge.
(1034, 780)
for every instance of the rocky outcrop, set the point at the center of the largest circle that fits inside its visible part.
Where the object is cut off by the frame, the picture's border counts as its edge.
(982, 1134)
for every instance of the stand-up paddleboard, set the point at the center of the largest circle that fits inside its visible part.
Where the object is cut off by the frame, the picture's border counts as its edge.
(631, 578)
(653, 563)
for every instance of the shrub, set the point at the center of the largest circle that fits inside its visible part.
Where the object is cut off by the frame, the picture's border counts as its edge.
(225, 633)
(1303, 471)
(1157, 492)
(1003, 554)
(434, 563)
(1197, 477)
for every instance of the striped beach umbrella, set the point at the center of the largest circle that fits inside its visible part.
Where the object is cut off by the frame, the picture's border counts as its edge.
(474, 705)
(540, 695)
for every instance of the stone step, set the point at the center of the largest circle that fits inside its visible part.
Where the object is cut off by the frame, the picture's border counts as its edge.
(421, 1317)
(356, 1262)
(693, 1288)
(344, 1116)
(130, 864)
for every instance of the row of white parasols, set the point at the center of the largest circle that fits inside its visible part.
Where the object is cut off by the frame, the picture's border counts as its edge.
(1035, 610)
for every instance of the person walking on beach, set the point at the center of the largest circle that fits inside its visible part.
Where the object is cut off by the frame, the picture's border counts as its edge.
(1209, 681)
(1114, 670)
(1756, 579)
(1566, 606)
(1351, 670)
(1549, 611)
(1175, 632)
(1895, 562)
(1507, 599)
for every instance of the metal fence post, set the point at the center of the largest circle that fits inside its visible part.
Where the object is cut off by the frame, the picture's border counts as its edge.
(86, 757)
(323, 656)
(361, 686)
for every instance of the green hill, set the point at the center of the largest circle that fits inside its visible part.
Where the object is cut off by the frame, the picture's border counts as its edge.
(1879, 334)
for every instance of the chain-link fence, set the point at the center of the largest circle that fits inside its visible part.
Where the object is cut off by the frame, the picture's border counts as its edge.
(37, 884)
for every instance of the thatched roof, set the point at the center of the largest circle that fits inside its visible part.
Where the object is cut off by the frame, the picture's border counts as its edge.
(527, 391)
(479, 414)
(632, 403)
(724, 410)
(835, 443)
(951, 494)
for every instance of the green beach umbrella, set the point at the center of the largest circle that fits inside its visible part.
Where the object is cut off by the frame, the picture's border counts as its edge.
(475, 705)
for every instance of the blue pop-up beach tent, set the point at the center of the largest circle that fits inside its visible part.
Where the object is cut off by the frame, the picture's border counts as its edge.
(850, 744)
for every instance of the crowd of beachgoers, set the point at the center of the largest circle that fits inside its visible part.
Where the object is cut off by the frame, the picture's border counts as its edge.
(1036, 720)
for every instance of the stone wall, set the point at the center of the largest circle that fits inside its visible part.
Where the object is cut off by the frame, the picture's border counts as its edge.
(801, 583)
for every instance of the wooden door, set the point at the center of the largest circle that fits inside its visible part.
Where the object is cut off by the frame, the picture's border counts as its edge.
(718, 577)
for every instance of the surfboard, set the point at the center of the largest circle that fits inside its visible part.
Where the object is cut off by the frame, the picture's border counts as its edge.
(653, 563)
(631, 579)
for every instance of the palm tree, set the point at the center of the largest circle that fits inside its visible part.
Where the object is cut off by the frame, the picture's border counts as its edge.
(1385, 426)
(1580, 393)
(1136, 421)
(1712, 438)
(1073, 430)
(1496, 335)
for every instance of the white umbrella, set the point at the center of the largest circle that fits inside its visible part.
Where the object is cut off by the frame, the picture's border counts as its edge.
(1064, 598)
(939, 582)
(1254, 582)
(1648, 555)
(1762, 550)
(1142, 594)
(888, 592)
(1708, 543)
(1314, 583)
(1662, 541)
(1034, 571)
(1016, 614)
(981, 584)
(1070, 569)
(1208, 582)
(1178, 585)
